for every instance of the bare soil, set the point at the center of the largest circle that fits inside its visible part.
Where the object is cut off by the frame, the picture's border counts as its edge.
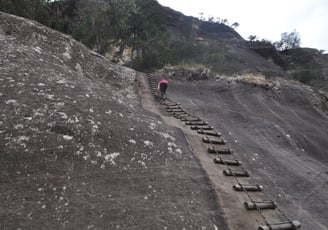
(279, 131)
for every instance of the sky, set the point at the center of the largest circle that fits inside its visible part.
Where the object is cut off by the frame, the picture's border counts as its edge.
(267, 19)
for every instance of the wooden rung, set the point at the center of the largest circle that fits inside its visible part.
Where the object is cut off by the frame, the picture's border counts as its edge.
(213, 141)
(178, 112)
(212, 150)
(190, 118)
(182, 116)
(175, 110)
(254, 205)
(229, 172)
(219, 160)
(288, 225)
(199, 123)
(173, 107)
(196, 127)
(209, 133)
(248, 188)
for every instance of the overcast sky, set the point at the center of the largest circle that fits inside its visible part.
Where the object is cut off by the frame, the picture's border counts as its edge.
(266, 19)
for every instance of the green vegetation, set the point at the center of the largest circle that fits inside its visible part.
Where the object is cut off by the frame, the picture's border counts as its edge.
(114, 26)
(103, 25)
(150, 37)
(58, 15)
(288, 41)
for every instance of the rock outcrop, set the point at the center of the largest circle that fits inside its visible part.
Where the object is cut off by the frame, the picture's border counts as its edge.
(78, 151)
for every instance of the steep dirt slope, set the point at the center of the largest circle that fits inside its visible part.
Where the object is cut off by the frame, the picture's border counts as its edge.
(279, 133)
(77, 150)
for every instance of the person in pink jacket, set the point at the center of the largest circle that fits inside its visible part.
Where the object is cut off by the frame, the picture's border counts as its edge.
(162, 87)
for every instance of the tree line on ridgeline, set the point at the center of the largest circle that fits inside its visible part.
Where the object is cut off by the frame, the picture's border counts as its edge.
(103, 25)
(114, 26)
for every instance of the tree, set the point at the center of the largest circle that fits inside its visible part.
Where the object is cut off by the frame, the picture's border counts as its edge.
(201, 17)
(224, 21)
(252, 38)
(288, 41)
(235, 25)
(33, 9)
(148, 39)
(103, 23)
(63, 15)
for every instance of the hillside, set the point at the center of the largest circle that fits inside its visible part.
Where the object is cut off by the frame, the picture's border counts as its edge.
(214, 45)
(305, 65)
(78, 151)
(84, 144)
(146, 36)
(277, 129)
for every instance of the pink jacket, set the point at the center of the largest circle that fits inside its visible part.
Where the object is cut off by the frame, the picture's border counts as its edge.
(162, 81)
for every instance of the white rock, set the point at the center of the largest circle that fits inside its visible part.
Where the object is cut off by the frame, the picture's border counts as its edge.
(19, 126)
(23, 138)
(148, 143)
(171, 144)
(132, 141)
(67, 137)
(11, 101)
(152, 126)
(142, 163)
(111, 157)
(178, 151)
(63, 115)
(61, 81)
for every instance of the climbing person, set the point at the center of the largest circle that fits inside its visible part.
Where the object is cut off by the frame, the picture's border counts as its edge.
(162, 87)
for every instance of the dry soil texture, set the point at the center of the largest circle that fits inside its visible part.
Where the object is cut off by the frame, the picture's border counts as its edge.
(278, 130)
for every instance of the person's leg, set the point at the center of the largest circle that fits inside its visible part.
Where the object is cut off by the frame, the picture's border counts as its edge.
(163, 88)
